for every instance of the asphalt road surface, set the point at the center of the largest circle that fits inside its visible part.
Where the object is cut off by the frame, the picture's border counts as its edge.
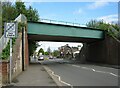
(82, 74)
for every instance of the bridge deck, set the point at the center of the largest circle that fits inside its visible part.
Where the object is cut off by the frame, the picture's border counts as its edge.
(60, 32)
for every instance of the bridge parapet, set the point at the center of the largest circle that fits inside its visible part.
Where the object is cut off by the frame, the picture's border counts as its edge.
(62, 22)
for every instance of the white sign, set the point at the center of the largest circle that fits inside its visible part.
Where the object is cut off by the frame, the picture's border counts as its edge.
(10, 30)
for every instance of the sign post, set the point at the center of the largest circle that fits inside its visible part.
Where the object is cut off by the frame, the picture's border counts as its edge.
(10, 31)
(10, 59)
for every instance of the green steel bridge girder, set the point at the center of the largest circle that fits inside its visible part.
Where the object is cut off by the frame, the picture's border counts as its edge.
(59, 30)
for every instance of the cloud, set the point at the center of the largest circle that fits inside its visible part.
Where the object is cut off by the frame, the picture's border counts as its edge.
(97, 4)
(109, 19)
(79, 11)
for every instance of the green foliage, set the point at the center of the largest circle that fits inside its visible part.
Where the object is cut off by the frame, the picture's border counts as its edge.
(41, 51)
(46, 53)
(10, 12)
(20, 25)
(6, 51)
(56, 53)
(111, 29)
(98, 25)
(32, 46)
(20, 8)
(32, 14)
(49, 50)
(0, 20)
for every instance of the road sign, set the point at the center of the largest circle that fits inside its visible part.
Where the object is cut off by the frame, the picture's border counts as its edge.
(10, 30)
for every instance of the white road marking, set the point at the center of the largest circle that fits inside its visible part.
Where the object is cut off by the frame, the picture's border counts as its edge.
(75, 65)
(96, 70)
(114, 74)
(59, 78)
(93, 69)
(86, 68)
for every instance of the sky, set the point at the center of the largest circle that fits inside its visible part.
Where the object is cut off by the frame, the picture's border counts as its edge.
(75, 12)
(78, 12)
(54, 45)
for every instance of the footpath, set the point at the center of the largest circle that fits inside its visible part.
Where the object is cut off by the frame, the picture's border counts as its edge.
(35, 75)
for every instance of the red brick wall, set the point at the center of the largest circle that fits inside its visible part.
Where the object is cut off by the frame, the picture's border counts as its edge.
(15, 62)
(5, 70)
(105, 51)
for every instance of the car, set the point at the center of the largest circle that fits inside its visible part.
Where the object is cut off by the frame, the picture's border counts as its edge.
(50, 57)
(41, 58)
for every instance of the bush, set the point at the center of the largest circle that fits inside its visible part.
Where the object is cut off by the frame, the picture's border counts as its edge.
(6, 52)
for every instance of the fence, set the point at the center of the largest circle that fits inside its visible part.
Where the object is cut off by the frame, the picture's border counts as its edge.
(61, 22)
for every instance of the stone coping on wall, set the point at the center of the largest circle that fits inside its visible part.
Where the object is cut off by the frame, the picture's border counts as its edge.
(5, 61)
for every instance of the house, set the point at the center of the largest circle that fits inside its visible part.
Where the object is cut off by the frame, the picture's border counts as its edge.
(68, 52)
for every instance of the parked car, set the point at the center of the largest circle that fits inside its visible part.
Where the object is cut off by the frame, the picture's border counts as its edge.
(41, 58)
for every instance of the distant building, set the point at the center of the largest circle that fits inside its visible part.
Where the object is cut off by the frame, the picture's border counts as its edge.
(68, 52)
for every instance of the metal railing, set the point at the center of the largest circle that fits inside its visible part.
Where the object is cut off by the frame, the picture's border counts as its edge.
(61, 22)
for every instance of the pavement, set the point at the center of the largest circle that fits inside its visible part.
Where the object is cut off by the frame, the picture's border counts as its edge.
(35, 75)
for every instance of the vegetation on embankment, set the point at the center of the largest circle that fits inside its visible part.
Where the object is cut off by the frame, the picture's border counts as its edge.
(11, 11)
(111, 29)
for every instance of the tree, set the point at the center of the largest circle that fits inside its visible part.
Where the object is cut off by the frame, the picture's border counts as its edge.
(41, 51)
(8, 12)
(46, 53)
(56, 53)
(32, 14)
(11, 11)
(98, 25)
(0, 19)
(32, 46)
(49, 50)
(20, 8)
(111, 29)
(29, 13)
